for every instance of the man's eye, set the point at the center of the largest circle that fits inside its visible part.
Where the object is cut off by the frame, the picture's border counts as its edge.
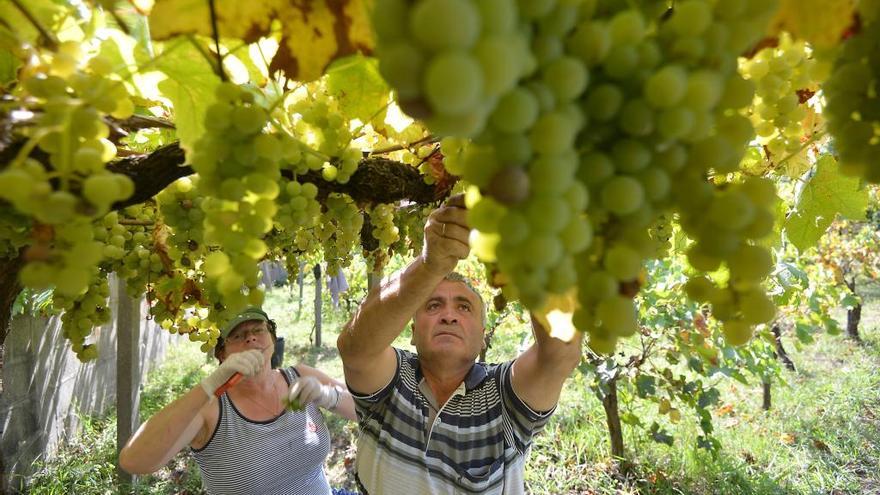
(465, 307)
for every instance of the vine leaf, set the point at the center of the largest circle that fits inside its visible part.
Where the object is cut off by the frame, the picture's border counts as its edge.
(357, 85)
(8, 66)
(313, 33)
(48, 13)
(189, 85)
(827, 194)
(820, 22)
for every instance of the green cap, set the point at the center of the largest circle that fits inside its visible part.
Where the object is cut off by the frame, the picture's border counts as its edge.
(252, 313)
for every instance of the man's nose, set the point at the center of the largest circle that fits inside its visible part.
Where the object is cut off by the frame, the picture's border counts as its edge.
(448, 318)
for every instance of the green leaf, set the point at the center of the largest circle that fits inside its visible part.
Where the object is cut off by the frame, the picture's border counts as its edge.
(189, 84)
(646, 385)
(850, 301)
(630, 419)
(48, 13)
(356, 83)
(831, 326)
(708, 398)
(8, 66)
(660, 435)
(804, 333)
(827, 194)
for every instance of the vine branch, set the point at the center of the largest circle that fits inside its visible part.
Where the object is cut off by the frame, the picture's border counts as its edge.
(50, 40)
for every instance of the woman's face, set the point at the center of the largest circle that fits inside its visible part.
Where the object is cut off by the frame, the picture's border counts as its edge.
(247, 335)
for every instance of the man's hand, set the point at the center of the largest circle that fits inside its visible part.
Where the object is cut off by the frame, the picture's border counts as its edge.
(248, 363)
(308, 389)
(446, 236)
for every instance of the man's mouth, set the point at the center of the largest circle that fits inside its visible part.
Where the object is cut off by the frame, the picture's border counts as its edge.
(443, 332)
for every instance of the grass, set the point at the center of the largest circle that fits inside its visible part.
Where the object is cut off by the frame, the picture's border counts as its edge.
(822, 435)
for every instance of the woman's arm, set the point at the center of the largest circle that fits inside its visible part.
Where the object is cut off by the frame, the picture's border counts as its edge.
(178, 423)
(165, 434)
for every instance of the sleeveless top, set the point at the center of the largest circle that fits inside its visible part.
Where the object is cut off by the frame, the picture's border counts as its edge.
(284, 455)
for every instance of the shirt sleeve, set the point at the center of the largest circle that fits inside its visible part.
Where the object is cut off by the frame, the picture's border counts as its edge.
(371, 403)
(522, 421)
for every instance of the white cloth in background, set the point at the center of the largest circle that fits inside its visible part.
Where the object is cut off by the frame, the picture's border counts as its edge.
(336, 284)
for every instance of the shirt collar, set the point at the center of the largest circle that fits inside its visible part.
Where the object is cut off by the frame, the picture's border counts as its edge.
(474, 378)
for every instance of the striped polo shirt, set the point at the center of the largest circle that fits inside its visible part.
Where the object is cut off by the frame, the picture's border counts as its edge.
(281, 456)
(475, 443)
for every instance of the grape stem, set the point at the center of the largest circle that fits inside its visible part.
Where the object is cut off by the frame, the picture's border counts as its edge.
(215, 33)
(50, 40)
(398, 147)
(815, 137)
(136, 222)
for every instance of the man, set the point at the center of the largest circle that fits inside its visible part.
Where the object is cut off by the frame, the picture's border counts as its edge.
(437, 421)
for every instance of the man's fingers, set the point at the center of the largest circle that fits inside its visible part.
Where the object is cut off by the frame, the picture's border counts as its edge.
(451, 215)
(453, 231)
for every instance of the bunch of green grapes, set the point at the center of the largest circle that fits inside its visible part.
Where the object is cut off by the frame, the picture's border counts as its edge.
(851, 111)
(63, 257)
(530, 210)
(326, 136)
(83, 313)
(238, 167)
(298, 206)
(450, 60)
(667, 115)
(339, 231)
(140, 264)
(384, 229)
(778, 74)
(180, 206)
(410, 223)
(70, 98)
(625, 115)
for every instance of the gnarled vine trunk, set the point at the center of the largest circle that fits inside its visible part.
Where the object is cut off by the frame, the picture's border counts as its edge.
(612, 415)
(854, 314)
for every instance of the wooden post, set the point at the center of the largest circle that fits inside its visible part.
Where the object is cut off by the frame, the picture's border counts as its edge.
(127, 374)
(318, 286)
(767, 402)
(300, 280)
(853, 315)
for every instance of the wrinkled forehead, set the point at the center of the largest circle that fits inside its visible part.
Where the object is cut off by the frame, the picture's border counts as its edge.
(450, 289)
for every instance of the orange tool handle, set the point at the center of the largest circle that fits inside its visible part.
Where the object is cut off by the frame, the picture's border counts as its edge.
(235, 378)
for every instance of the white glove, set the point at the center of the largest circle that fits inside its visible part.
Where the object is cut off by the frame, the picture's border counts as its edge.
(248, 363)
(308, 389)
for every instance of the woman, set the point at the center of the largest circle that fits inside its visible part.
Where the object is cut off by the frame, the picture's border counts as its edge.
(247, 441)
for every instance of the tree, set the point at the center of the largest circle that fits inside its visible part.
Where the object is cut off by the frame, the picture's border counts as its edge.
(179, 146)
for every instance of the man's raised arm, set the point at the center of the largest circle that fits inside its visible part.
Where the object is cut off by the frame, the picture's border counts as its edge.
(368, 360)
(538, 373)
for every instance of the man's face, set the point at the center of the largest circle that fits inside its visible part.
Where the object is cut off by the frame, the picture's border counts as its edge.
(449, 325)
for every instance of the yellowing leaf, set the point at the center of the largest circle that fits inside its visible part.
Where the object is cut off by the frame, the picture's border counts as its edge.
(316, 33)
(820, 22)
(313, 33)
